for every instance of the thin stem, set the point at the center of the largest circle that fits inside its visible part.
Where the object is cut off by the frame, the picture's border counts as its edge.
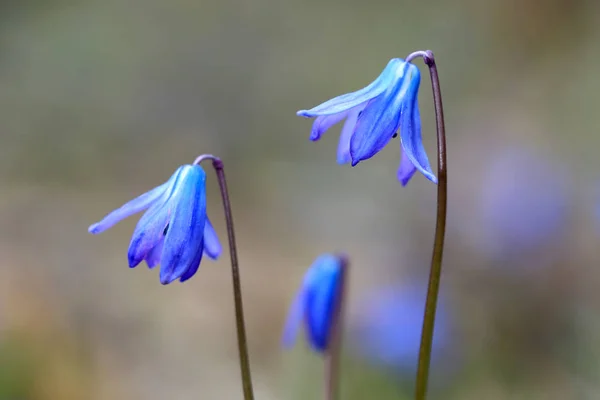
(332, 356)
(235, 274)
(440, 230)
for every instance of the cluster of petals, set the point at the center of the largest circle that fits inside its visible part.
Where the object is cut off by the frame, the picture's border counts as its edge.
(374, 115)
(174, 231)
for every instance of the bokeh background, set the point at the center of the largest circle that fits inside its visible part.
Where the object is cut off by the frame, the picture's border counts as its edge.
(101, 100)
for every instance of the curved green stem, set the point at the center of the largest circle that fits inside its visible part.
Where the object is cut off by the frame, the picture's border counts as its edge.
(440, 230)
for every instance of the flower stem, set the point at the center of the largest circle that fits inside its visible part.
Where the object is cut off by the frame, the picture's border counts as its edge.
(440, 230)
(332, 356)
(235, 274)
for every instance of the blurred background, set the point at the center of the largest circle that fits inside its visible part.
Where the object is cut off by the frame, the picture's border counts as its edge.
(102, 100)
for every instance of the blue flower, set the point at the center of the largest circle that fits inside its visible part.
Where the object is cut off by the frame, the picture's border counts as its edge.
(387, 328)
(373, 116)
(316, 303)
(523, 204)
(174, 231)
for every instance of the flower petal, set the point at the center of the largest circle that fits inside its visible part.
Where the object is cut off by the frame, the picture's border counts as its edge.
(410, 127)
(153, 257)
(150, 229)
(193, 268)
(148, 232)
(212, 246)
(350, 100)
(134, 206)
(292, 324)
(186, 227)
(324, 122)
(322, 292)
(407, 168)
(343, 151)
(379, 120)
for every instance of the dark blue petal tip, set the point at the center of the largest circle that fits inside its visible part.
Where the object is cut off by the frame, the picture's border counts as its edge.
(94, 229)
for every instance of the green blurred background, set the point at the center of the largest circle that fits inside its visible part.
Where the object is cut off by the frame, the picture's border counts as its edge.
(102, 100)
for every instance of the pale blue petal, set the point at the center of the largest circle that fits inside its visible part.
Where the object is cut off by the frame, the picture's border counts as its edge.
(148, 232)
(343, 151)
(407, 168)
(186, 227)
(150, 229)
(212, 246)
(132, 207)
(294, 319)
(379, 121)
(153, 257)
(410, 127)
(324, 122)
(350, 100)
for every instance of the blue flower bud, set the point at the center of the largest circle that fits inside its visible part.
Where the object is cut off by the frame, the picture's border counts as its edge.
(316, 303)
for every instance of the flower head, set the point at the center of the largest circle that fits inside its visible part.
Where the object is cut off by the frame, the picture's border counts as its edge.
(316, 303)
(174, 231)
(373, 116)
(387, 329)
(523, 204)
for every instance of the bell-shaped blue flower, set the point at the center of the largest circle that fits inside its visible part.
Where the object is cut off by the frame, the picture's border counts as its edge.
(316, 303)
(174, 231)
(373, 116)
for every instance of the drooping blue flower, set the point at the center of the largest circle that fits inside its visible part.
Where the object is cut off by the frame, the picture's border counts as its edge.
(174, 231)
(373, 116)
(315, 304)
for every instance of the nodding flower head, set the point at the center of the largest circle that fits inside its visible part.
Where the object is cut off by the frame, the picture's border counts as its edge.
(316, 303)
(373, 116)
(174, 231)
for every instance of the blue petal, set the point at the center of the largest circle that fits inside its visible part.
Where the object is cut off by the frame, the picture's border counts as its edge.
(379, 120)
(193, 268)
(212, 246)
(407, 169)
(292, 324)
(322, 291)
(324, 122)
(410, 127)
(186, 227)
(350, 100)
(148, 232)
(150, 229)
(153, 257)
(343, 151)
(134, 206)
